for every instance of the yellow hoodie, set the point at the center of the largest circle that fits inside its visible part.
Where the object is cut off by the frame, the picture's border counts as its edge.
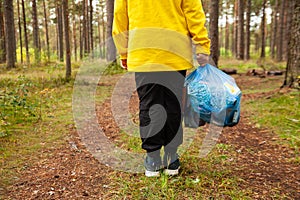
(157, 35)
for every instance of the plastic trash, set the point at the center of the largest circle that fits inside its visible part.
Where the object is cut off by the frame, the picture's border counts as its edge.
(212, 96)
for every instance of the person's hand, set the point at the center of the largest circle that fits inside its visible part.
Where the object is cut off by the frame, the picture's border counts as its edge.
(202, 59)
(124, 63)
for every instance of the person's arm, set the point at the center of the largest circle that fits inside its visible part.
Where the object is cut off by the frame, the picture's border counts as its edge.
(195, 18)
(120, 28)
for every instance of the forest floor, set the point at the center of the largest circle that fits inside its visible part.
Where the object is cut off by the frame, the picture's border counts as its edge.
(250, 161)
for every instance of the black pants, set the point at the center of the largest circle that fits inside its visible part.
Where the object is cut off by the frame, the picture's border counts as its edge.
(160, 95)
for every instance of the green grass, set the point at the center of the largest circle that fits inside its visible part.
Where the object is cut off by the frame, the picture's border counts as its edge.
(38, 124)
(210, 177)
(264, 85)
(279, 113)
(207, 178)
(36, 112)
(50, 97)
(243, 66)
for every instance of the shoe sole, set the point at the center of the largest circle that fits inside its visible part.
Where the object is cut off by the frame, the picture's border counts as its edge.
(171, 172)
(152, 174)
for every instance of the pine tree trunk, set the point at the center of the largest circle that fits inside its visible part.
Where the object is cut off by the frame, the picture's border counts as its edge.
(293, 62)
(289, 16)
(67, 39)
(25, 33)
(2, 35)
(35, 27)
(74, 32)
(57, 33)
(46, 31)
(227, 33)
(257, 42)
(20, 31)
(214, 30)
(9, 33)
(84, 29)
(111, 49)
(221, 40)
(232, 41)
(263, 32)
(281, 30)
(103, 33)
(91, 28)
(274, 31)
(221, 34)
(248, 36)
(240, 48)
(80, 40)
(235, 29)
(60, 32)
(87, 22)
(99, 35)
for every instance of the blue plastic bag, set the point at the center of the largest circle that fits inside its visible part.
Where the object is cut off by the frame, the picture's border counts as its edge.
(213, 96)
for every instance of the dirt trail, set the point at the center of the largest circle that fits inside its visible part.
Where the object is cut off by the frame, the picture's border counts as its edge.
(70, 172)
(264, 165)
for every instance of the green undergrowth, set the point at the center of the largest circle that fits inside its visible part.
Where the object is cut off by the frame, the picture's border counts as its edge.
(200, 178)
(280, 113)
(261, 85)
(35, 113)
(244, 66)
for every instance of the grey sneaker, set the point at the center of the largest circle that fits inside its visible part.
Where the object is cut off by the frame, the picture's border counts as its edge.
(153, 166)
(171, 164)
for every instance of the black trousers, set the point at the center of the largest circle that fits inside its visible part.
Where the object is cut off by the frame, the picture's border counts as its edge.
(160, 96)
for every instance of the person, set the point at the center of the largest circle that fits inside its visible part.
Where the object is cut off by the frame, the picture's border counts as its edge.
(155, 40)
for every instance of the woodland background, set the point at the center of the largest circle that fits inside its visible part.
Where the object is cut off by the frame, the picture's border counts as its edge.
(38, 31)
(44, 44)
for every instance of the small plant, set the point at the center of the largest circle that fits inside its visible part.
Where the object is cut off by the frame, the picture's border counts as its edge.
(113, 68)
(14, 104)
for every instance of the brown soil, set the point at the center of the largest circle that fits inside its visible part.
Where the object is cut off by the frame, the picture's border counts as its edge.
(70, 172)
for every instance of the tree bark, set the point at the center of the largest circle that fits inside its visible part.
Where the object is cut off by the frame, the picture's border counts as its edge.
(91, 28)
(235, 29)
(293, 61)
(288, 17)
(274, 31)
(20, 31)
(214, 30)
(84, 29)
(263, 32)
(87, 23)
(111, 49)
(80, 40)
(2, 35)
(227, 31)
(280, 36)
(103, 33)
(248, 36)
(60, 31)
(232, 41)
(99, 35)
(9, 34)
(35, 27)
(25, 33)
(257, 42)
(67, 39)
(46, 30)
(241, 44)
(74, 32)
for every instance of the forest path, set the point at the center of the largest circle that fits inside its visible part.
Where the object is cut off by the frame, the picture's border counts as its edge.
(263, 164)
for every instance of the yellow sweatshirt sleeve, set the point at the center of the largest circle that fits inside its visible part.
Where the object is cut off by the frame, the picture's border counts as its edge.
(195, 19)
(120, 27)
